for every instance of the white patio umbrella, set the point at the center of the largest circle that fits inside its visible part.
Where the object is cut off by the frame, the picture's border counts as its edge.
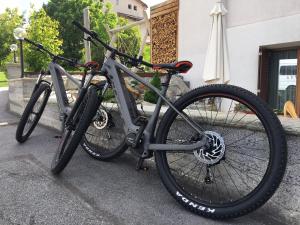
(216, 68)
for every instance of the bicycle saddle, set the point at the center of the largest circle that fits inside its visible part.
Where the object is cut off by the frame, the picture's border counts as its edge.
(92, 65)
(180, 67)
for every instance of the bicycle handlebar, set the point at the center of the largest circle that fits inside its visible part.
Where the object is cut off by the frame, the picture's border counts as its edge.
(53, 56)
(109, 48)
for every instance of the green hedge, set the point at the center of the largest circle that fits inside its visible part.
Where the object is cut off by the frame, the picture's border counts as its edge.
(151, 96)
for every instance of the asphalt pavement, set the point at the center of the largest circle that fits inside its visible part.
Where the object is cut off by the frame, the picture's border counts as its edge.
(88, 192)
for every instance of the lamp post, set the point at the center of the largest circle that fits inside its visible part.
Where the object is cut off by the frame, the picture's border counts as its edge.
(14, 48)
(19, 34)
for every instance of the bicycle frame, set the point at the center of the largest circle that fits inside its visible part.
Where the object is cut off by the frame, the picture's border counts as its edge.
(111, 68)
(56, 72)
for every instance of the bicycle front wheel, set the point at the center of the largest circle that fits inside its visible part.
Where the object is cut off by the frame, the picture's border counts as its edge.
(33, 112)
(72, 135)
(244, 163)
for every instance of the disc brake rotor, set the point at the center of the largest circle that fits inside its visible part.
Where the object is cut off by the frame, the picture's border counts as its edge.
(215, 152)
(101, 120)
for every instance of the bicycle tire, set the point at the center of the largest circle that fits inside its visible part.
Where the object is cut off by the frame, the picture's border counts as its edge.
(82, 119)
(43, 88)
(266, 187)
(107, 140)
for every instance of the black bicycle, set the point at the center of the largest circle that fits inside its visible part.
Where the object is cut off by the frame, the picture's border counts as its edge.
(219, 149)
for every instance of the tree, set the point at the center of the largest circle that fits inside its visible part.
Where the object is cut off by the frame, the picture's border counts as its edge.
(129, 41)
(101, 14)
(9, 20)
(147, 53)
(67, 11)
(44, 30)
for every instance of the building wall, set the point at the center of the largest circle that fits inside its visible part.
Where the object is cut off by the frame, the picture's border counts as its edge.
(244, 11)
(250, 24)
(121, 6)
(244, 42)
(193, 35)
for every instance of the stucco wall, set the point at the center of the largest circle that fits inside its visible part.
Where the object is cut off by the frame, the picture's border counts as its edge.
(244, 42)
(245, 11)
(250, 24)
(194, 26)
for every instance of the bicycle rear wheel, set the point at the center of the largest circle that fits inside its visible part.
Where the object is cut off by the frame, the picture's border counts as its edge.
(244, 163)
(33, 112)
(72, 135)
(105, 138)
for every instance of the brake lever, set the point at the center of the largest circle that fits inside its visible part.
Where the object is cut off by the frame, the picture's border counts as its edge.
(40, 46)
(39, 49)
(137, 62)
(141, 68)
(94, 34)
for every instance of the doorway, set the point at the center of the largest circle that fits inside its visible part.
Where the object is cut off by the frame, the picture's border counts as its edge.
(278, 77)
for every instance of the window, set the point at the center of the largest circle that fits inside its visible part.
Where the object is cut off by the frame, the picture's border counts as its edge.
(289, 69)
(135, 8)
(129, 6)
(278, 77)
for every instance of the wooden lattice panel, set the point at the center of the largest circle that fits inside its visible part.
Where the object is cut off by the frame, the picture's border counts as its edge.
(164, 31)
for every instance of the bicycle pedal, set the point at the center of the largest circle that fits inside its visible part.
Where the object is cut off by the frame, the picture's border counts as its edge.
(140, 166)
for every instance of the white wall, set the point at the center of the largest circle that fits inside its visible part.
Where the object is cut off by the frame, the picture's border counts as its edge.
(248, 29)
(243, 12)
(244, 42)
(194, 27)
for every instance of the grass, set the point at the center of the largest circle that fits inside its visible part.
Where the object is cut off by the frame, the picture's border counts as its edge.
(3, 80)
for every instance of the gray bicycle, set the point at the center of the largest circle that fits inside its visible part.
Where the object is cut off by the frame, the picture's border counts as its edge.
(219, 149)
(39, 98)
(41, 93)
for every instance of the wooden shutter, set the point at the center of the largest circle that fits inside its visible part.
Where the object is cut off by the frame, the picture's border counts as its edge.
(263, 69)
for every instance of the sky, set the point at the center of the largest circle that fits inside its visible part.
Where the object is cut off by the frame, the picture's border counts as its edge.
(24, 5)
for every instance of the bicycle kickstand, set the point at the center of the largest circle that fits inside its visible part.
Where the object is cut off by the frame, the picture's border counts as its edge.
(140, 166)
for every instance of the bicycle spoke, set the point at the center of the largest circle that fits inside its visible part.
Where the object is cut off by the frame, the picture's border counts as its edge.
(224, 185)
(244, 154)
(232, 179)
(243, 138)
(215, 182)
(235, 162)
(236, 170)
(217, 112)
(242, 164)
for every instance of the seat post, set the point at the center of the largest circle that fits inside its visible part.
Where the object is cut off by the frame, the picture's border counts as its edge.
(166, 83)
(168, 78)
